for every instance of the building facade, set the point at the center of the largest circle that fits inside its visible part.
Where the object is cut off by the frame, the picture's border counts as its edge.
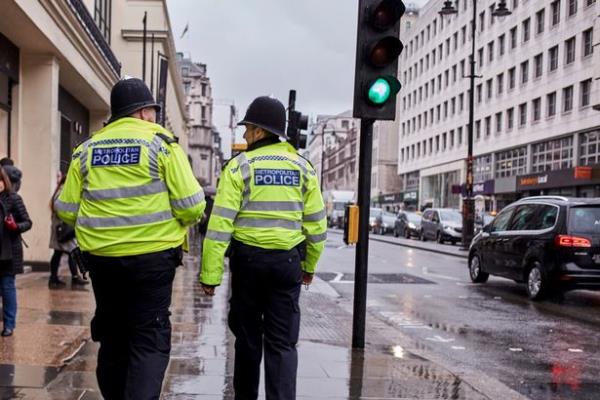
(535, 129)
(58, 62)
(204, 140)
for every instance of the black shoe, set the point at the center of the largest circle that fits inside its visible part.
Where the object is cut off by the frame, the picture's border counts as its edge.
(55, 282)
(78, 280)
(7, 332)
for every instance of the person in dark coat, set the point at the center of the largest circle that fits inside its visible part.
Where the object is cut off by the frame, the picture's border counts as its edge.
(15, 221)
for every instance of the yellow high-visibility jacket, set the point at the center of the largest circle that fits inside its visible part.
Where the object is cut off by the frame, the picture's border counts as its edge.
(130, 190)
(268, 197)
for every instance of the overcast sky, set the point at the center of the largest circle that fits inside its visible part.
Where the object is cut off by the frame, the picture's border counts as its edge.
(258, 47)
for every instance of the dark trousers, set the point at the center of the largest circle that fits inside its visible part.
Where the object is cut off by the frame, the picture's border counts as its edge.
(55, 264)
(264, 309)
(133, 295)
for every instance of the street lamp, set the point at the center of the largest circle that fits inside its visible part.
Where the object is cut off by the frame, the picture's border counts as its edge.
(468, 204)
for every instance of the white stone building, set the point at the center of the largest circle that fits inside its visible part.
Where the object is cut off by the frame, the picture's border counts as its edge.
(535, 130)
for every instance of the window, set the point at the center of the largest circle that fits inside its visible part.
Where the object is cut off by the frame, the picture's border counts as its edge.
(513, 38)
(551, 104)
(585, 88)
(102, 17)
(480, 56)
(568, 99)
(461, 99)
(572, 7)
(463, 34)
(488, 126)
(522, 114)
(500, 83)
(533, 217)
(526, 30)
(537, 109)
(552, 155)
(482, 21)
(500, 223)
(570, 50)
(460, 135)
(479, 93)
(186, 87)
(553, 58)
(539, 65)
(511, 162)
(491, 51)
(482, 168)
(540, 16)
(588, 46)
(477, 130)
(555, 7)
(510, 118)
(589, 148)
(501, 44)
(498, 122)
(512, 73)
(524, 72)
(488, 89)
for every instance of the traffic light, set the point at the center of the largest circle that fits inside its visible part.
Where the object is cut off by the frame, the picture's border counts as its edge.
(377, 49)
(351, 214)
(296, 122)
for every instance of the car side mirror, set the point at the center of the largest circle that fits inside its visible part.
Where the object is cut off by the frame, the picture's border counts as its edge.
(487, 228)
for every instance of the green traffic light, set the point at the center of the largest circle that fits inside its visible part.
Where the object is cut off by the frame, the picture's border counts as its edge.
(380, 91)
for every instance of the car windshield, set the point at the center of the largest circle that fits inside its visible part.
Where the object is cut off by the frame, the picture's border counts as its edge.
(584, 220)
(414, 218)
(450, 216)
(487, 219)
(375, 212)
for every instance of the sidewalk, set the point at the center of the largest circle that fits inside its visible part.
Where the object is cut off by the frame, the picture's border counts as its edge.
(52, 325)
(449, 250)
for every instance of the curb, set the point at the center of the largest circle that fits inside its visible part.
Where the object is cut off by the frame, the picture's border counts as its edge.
(412, 246)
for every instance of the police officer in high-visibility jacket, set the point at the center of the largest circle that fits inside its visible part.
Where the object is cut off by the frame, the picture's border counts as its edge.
(269, 206)
(131, 194)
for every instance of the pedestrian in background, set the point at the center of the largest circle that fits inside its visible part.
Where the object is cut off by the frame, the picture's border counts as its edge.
(131, 195)
(270, 208)
(62, 241)
(15, 221)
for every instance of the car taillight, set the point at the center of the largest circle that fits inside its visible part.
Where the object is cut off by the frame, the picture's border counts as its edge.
(572, 241)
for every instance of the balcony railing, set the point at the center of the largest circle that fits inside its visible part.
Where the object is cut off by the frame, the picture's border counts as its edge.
(87, 21)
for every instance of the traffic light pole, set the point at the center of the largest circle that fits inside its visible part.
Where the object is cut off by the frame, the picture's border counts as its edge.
(361, 266)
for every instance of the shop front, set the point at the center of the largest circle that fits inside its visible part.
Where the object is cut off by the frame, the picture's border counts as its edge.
(9, 76)
(505, 192)
(581, 181)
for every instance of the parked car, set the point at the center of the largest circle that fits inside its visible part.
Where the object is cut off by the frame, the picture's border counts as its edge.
(384, 223)
(441, 224)
(374, 213)
(407, 224)
(551, 243)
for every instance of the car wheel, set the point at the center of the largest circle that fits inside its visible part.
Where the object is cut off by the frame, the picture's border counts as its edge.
(439, 238)
(422, 236)
(537, 282)
(475, 272)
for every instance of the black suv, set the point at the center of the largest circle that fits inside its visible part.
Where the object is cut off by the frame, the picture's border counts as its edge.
(551, 243)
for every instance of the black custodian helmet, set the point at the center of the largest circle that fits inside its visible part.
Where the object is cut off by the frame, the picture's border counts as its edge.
(267, 113)
(128, 96)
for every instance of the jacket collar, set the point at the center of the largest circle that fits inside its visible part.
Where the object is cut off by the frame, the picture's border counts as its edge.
(264, 142)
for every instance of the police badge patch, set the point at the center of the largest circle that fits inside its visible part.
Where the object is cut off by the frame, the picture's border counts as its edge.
(115, 156)
(276, 177)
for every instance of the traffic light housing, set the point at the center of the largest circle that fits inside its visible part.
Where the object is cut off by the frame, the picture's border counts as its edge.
(378, 47)
(296, 122)
(351, 215)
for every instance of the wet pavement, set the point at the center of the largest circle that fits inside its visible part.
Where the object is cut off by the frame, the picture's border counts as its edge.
(51, 357)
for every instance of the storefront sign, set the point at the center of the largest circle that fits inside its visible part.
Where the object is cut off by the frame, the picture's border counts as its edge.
(485, 188)
(410, 196)
(556, 179)
(583, 173)
(390, 198)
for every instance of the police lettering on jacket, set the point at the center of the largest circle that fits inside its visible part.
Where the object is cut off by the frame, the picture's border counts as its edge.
(277, 177)
(111, 156)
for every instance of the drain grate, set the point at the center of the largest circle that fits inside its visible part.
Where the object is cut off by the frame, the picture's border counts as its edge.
(375, 278)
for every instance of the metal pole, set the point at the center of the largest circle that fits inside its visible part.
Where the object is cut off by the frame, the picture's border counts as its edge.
(468, 220)
(362, 247)
(152, 64)
(322, 156)
(144, 48)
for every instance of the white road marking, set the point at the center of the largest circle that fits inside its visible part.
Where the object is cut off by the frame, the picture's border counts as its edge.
(515, 349)
(463, 297)
(439, 339)
(338, 277)
(497, 298)
(458, 348)
(451, 278)
(575, 351)
(341, 247)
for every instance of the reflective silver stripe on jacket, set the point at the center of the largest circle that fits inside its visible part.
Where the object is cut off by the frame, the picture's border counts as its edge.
(125, 192)
(66, 207)
(83, 168)
(113, 222)
(245, 170)
(316, 238)
(318, 216)
(224, 212)
(218, 236)
(188, 202)
(274, 206)
(153, 156)
(267, 223)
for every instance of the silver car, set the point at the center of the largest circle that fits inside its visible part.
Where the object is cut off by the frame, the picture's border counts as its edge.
(441, 224)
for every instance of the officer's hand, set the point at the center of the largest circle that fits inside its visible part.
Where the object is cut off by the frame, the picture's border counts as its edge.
(307, 278)
(208, 290)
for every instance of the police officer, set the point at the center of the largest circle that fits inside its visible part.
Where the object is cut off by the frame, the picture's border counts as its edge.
(269, 206)
(131, 194)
